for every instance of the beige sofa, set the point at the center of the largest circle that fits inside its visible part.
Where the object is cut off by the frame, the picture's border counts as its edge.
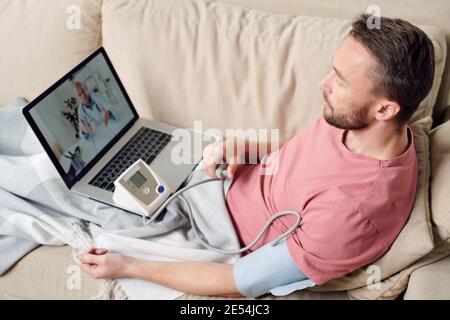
(187, 60)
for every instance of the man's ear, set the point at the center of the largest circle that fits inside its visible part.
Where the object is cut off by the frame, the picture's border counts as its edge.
(387, 110)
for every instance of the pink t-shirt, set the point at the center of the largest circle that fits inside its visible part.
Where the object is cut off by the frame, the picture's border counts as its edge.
(352, 206)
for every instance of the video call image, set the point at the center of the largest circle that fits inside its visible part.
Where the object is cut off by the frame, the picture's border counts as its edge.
(81, 116)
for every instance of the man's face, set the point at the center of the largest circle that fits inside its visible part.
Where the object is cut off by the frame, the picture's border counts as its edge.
(349, 101)
(82, 94)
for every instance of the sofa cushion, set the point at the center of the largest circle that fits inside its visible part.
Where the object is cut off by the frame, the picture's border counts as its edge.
(440, 180)
(430, 282)
(225, 65)
(38, 47)
(392, 287)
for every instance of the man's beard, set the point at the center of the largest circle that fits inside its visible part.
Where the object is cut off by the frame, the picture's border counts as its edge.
(353, 120)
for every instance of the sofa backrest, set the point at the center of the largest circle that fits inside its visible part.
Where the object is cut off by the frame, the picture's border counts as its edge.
(39, 45)
(41, 41)
(229, 67)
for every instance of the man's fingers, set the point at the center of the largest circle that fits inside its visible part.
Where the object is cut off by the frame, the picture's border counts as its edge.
(215, 153)
(235, 163)
(211, 170)
(212, 157)
(90, 269)
(231, 170)
(208, 166)
(101, 251)
(90, 258)
(98, 251)
(87, 267)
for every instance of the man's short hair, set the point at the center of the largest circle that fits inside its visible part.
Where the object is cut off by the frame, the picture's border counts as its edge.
(404, 71)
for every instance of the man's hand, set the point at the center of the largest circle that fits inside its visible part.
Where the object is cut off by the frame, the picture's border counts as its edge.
(234, 153)
(100, 264)
(229, 152)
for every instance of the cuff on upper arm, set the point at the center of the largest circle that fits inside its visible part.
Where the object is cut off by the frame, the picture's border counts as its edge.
(269, 268)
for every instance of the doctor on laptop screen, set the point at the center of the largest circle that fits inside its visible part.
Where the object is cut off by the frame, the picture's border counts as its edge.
(82, 116)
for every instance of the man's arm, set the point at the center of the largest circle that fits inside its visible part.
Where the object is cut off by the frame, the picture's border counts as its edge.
(269, 267)
(200, 278)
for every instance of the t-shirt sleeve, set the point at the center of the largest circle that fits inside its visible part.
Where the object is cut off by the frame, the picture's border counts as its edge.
(333, 240)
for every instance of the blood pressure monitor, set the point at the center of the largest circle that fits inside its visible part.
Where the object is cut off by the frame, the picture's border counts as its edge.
(139, 189)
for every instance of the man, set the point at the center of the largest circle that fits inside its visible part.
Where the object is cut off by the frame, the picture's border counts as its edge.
(92, 111)
(352, 176)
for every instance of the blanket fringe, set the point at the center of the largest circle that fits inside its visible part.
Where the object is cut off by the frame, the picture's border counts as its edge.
(111, 290)
(81, 241)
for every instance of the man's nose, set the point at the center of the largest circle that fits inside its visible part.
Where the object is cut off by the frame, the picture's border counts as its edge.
(324, 85)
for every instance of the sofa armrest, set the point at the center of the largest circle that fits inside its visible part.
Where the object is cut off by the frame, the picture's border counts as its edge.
(430, 282)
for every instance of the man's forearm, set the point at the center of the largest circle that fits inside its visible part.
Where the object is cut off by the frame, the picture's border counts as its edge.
(200, 278)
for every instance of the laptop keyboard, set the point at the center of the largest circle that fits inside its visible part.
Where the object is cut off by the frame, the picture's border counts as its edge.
(146, 145)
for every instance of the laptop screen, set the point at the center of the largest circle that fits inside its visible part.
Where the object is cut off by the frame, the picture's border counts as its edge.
(81, 116)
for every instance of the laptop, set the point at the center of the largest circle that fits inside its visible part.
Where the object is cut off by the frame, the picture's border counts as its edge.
(92, 133)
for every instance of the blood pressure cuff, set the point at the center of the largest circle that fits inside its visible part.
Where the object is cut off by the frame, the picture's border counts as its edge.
(269, 269)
